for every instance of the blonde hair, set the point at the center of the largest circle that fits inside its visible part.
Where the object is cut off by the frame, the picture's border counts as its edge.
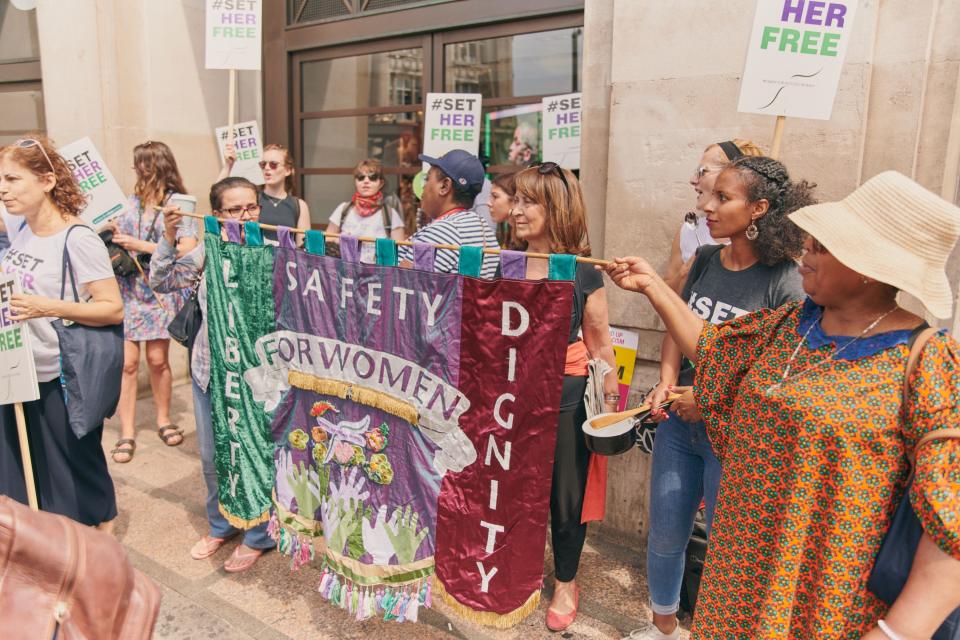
(566, 215)
(747, 147)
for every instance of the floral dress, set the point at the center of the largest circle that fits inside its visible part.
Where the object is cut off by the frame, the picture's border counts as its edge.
(813, 470)
(144, 316)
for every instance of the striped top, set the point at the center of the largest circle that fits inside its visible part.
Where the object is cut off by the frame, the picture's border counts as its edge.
(465, 228)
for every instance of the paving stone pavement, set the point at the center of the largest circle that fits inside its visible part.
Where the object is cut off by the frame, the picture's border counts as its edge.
(160, 496)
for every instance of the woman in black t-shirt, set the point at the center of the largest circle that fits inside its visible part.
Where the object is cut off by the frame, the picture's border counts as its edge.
(548, 214)
(749, 204)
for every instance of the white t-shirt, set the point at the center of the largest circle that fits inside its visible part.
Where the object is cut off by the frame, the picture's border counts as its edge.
(692, 237)
(39, 263)
(370, 226)
(12, 223)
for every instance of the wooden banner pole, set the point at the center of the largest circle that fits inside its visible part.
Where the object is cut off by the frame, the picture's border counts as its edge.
(777, 137)
(231, 105)
(25, 457)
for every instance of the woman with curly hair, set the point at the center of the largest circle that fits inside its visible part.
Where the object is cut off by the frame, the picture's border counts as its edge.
(749, 205)
(148, 313)
(70, 473)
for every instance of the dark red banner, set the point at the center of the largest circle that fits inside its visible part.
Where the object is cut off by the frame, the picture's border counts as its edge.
(492, 516)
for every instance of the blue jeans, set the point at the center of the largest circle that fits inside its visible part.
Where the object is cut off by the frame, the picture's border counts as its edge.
(685, 470)
(256, 538)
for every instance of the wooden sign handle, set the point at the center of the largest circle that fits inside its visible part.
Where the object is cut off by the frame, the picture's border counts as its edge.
(231, 105)
(777, 137)
(25, 457)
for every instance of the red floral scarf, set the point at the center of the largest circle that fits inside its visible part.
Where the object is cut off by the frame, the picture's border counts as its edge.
(367, 206)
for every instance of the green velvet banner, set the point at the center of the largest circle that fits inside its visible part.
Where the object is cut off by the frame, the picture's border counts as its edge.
(239, 310)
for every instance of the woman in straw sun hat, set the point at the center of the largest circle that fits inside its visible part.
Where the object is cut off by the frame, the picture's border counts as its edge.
(805, 408)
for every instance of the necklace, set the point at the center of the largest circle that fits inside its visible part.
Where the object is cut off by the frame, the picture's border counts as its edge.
(774, 388)
(274, 200)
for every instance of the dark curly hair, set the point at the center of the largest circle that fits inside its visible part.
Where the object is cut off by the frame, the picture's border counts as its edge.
(66, 194)
(767, 179)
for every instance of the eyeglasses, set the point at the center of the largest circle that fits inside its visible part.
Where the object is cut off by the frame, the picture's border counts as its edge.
(237, 212)
(546, 167)
(26, 143)
(703, 170)
(372, 177)
(274, 165)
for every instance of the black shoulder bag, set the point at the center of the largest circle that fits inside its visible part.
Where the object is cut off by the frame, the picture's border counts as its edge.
(895, 559)
(91, 361)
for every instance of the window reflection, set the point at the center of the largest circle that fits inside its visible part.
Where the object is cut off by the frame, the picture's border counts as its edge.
(392, 78)
(18, 34)
(528, 64)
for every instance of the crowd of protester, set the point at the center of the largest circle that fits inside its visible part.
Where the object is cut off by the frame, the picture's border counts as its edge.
(784, 358)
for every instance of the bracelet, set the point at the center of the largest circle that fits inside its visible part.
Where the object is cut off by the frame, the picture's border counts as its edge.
(887, 631)
(611, 397)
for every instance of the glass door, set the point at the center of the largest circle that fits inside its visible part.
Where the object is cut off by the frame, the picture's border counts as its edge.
(366, 101)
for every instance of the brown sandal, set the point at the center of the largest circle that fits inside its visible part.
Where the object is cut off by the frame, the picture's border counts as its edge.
(168, 432)
(121, 448)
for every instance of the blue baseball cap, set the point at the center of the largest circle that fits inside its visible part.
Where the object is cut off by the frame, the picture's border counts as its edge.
(461, 166)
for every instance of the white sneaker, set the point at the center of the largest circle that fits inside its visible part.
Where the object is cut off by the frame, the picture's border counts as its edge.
(652, 633)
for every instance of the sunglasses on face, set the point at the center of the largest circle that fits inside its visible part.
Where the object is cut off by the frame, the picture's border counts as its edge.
(26, 143)
(238, 212)
(372, 177)
(273, 164)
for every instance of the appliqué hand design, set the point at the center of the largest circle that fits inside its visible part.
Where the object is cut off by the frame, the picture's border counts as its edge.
(284, 490)
(404, 537)
(306, 489)
(350, 487)
(376, 539)
(348, 518)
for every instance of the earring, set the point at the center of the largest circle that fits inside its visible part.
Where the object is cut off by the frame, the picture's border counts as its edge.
(866, 281)
(752, 232)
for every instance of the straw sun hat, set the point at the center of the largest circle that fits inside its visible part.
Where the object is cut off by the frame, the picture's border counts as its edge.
(892, 230)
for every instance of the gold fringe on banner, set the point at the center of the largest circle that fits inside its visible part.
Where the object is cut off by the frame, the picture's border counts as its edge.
(355, 393)
(487, 618)
(240, 523)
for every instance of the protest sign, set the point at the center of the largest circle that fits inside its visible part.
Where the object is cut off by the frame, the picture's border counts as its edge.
(795, 57)
(403, 421)
(561, 130)
(246, 142)
(18, 378)
(234, 32)
(452, 122)
(625, 345)
(105, 199)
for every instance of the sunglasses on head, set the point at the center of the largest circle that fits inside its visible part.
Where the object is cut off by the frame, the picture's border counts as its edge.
(26, 143)
(547, 167)
(372, 177)
(237, 212)
(273, 164)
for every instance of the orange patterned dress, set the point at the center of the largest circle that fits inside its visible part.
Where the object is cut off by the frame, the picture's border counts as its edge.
(813, 471)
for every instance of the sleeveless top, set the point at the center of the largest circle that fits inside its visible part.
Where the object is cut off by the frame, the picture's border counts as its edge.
(692, 238)
(278, 212)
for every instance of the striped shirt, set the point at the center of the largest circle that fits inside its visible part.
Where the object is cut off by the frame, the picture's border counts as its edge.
(465, 228)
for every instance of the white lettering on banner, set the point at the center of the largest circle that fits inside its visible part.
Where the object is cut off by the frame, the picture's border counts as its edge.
(226, 275)
(485, 577)
(232, 348)
(313, 284)
(507, 328)
(234, 479)
(345, 292)
(233, 417)
(403, 293)
(439, 404)
(506, 423)
(234, 447)
(373, 298)
(492, 531)
(232, 385)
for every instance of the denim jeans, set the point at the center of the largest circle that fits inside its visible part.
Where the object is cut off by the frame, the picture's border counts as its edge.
(685, 470)
(256, 538)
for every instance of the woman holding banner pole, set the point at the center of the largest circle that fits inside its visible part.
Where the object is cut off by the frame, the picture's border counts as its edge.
(549, 215)
(148, 313)
(236, 199)
(71, 473)
(278, 204)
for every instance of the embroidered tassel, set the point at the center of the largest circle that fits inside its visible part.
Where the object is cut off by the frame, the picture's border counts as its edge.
(345, 596)
(413, 609)
(325, 580)
(273, 527)
(402, 614)
(355, 601)
(335, 590)
(397, 606)
(428, 599)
